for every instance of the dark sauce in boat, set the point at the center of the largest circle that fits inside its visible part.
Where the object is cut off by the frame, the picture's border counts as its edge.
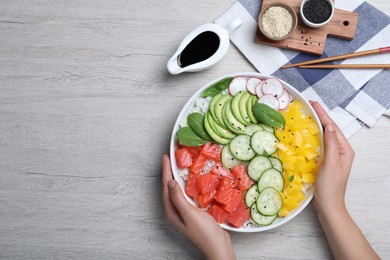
(202, 47)
(317, 11)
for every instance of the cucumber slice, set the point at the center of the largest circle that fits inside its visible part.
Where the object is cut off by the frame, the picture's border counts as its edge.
(264, 143)
(269, 202)
(271, 178)
(268, 128)
(251, 195)
(257, 166)
(227, 158)
(277, 164)
(252, 128)
(261, 219)
(240, 147)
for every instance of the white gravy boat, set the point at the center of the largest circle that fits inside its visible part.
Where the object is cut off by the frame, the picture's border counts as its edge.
(202, 48)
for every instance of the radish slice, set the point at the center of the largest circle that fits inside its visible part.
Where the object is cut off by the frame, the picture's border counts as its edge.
(251, 85)
(259, 89)
(273, 87)
(238, 84)
(291, 98)
(271, 101)
(284, 99)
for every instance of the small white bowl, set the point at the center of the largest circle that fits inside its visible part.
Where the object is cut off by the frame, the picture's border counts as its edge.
(316, 25)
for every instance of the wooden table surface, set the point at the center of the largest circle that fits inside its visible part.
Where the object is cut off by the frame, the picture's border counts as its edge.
(86, 112)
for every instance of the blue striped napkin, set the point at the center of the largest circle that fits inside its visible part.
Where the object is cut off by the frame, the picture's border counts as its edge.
(353, 98)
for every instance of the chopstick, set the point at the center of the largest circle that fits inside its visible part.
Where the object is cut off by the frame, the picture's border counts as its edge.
(340, 57)
(346, 66)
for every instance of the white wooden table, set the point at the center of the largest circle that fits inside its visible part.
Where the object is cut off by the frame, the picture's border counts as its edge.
(86, 112)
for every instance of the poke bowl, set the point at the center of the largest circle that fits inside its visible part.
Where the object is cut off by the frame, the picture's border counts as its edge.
(246, 148)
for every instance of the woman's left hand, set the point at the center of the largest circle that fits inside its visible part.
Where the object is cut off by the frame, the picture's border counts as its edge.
(193, 222)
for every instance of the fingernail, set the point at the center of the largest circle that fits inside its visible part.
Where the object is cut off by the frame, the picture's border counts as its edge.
(330, 128)
(171, 184)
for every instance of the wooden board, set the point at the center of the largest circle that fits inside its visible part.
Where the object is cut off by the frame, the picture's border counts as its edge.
(312, 40)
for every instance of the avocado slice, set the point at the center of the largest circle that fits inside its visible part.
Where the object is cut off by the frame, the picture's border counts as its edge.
(218, 109)
(231, 122)
(221, 131)
(212, 104)
(251, 101)
(242, 105)
(236, 108)
(213, 135)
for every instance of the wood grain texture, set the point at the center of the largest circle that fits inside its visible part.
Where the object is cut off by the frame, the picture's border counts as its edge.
(86, 112)
(312, 40)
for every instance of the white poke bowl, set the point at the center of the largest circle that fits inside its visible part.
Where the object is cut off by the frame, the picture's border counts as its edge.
(307, 109)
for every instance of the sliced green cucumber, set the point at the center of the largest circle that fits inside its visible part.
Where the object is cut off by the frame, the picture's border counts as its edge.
(264, 142)
(257, 166)
(240, 147)
(227, 158)
(251, 195)
(268, 128)
(261, 219)
(277, 163)
(271, 178)
(252, 128)
(269, 202)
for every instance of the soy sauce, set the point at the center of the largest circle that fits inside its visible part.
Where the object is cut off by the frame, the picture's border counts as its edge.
(202, 47)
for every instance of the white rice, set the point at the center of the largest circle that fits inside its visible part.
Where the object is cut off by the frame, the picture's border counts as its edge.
(201, 106)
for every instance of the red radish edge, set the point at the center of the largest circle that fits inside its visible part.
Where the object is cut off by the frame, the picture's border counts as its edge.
(259, 89)
(238, 84)
(271, 101)
(273, 87)
(284, 99)
(251, 85)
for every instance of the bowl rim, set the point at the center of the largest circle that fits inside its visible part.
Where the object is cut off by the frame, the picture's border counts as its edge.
(316, 25)
(173, 143)
(289, 9)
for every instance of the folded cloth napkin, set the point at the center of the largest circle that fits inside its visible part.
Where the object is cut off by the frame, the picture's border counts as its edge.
(352, 97)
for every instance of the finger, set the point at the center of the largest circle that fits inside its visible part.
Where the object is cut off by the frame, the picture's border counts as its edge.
(178, 200)
(167, 171)
(345, 148)
(166, 177)
(171, 212)
(332, 147)
(326, 119)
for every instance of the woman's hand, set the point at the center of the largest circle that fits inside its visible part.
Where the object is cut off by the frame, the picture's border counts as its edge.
(344, 236)
(194, 223)
(334, 172)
